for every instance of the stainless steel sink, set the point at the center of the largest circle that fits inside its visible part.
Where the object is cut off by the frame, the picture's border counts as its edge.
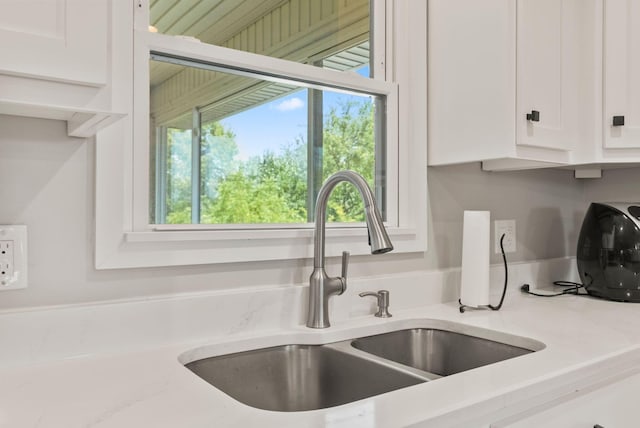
(299, 377)
(291, 378)
(439, 352)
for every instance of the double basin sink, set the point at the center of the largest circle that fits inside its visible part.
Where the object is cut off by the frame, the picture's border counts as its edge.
(301, 377)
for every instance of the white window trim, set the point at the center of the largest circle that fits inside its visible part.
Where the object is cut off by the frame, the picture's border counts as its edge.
(124, 239)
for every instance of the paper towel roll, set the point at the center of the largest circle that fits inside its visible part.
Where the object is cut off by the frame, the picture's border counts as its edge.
(474, 281)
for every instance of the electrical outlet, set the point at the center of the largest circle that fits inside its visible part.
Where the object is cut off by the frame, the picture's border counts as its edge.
(6, 262)
(13, 257)
(508, 228)
(6, 250)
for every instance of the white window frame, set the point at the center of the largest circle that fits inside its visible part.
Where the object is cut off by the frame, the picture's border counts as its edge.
(124, 237)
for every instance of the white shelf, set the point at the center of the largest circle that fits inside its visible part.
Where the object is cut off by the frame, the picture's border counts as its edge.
(80, 123)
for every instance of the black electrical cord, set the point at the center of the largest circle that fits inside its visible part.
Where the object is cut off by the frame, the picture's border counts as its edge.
(574, 288)
(506, 275)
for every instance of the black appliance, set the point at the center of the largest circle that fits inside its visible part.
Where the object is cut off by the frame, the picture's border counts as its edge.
(608, 251)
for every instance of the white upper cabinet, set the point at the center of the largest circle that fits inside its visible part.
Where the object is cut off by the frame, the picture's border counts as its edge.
(613, 128)
(62, 40)
(56, 61)
(621, 59)
(547, 61)
(505, 82)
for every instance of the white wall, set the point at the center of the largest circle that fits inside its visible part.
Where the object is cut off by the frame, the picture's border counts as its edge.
(548, 206)
(46, 182)
(616, 185)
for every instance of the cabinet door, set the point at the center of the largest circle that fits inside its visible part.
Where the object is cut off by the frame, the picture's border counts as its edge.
(63, 40)
(612, 405)
(472, 80)
(547, 73)
(621, 73)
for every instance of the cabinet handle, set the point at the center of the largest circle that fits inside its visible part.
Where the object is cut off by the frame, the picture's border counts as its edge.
(618, 120)
(598, 426)
(534, 116)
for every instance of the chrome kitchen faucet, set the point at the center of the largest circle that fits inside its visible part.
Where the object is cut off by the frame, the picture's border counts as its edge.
(321, 286)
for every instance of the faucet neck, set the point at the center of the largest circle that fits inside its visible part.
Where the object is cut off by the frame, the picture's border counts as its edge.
(321, 209)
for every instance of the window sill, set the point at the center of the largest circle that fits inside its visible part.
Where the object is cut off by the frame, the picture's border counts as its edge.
(179, 248)
(166, 233)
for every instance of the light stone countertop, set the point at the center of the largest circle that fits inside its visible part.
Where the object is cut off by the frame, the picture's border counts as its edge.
(585, 339)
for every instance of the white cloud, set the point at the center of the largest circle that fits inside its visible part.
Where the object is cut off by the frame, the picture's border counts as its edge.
(290, 104)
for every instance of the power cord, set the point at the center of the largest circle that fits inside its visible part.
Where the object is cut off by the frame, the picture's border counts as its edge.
(506, 275)
(574, 288)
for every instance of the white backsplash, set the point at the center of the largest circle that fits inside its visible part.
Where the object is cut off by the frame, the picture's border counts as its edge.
(72, 331)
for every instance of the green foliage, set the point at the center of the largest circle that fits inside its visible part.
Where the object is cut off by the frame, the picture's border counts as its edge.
(271, 188)
(283, 176)
(178, 176)
(241, 200)
(218, 150)
(348, 144)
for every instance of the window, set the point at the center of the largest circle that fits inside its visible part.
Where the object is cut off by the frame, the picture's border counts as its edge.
(235, 146)
(163, 176)
(243, 156)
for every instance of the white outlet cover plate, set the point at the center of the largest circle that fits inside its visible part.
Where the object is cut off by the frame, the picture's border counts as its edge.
(17, 234)
(509, 243)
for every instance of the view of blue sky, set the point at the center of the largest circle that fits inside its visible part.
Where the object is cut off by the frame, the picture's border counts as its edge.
(269, 126)
(274, 125)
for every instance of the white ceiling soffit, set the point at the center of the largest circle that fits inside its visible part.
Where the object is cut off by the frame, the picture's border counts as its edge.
(221, 21)
(266, 92)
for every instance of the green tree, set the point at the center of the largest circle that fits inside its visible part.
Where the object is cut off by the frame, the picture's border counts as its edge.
(178, 180)
(286, 175)
(272, 187)
(241, 200)
(267, 189)
(348, 143)
(218, 152)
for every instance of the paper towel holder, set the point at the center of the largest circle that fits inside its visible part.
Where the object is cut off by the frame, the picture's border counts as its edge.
(464, 307)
